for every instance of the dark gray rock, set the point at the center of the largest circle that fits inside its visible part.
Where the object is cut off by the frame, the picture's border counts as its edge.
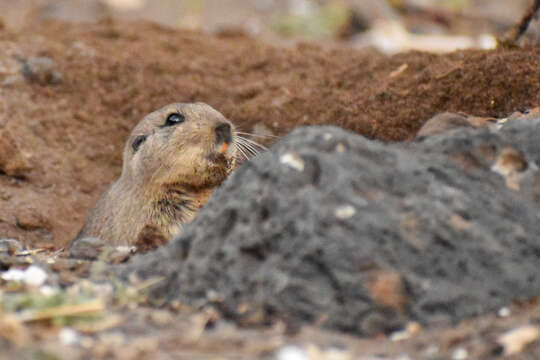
(361, 236)
(87, 248)
(41, 70)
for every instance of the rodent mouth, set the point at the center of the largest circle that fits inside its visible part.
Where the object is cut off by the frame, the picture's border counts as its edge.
(219, 159)
(222, 155)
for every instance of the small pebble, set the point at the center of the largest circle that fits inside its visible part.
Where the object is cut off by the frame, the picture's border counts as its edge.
(291, 352)
(48, 290)
(125, 249)
(503, 312)
(292, 160)
(411, 329)
(41, 70)
(33, 275)
(68, 336)
(120, 254)
(345, 212)
(515, 340)
(340, 148)
(460, 354)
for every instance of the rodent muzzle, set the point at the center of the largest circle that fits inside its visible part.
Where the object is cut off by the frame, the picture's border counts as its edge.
(223, 134)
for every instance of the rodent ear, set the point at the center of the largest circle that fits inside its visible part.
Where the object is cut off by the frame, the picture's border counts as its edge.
(136, 144)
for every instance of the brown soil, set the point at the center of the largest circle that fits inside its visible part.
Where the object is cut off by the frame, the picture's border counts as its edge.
(72, 133)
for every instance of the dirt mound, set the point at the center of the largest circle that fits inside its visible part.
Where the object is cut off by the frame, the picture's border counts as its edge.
(332, 228)
(69, 120)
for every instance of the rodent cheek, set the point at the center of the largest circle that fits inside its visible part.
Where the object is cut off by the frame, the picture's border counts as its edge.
(178, 142)
(195, 138)
(138, 165)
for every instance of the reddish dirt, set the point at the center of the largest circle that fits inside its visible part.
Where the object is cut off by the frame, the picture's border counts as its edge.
(72, 133)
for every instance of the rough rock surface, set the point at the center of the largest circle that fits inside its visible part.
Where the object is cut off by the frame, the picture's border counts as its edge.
(358, 235)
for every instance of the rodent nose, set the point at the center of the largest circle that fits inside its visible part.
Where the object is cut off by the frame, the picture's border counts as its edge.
(223, 133)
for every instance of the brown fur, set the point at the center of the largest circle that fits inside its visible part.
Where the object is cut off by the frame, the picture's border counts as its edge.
(167, 180)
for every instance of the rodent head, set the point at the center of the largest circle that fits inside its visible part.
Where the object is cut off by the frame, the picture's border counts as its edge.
(181, 143)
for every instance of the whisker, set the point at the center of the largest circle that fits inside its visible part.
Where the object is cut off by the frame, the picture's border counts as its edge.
(244, 154)
(256, 144)
(253, 143)
(241, 151)
(244, 142)
(249, 151)
(249, 147)
(246, 148)
(257, 135)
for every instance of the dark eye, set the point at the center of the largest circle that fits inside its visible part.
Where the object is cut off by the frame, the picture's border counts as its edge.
(136, 144)
(174, 119)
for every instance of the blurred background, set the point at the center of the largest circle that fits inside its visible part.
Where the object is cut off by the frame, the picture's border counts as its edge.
(390, 26)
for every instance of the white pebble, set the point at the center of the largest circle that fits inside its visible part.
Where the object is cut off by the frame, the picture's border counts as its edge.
(345, 212)
(411, 329)
(33, 275)
(48, 290)
(13, 275)
(503, 312)
(400, 335)
(460, 354)
(125, 249)
(291, 352)
(293, 161)
(68, 336)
